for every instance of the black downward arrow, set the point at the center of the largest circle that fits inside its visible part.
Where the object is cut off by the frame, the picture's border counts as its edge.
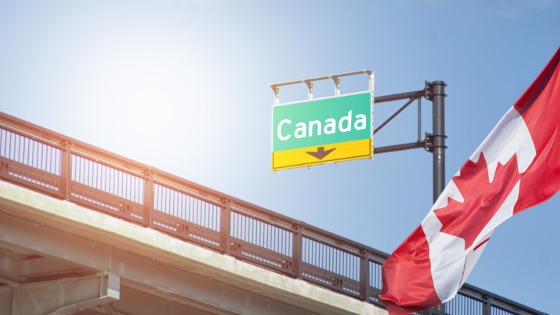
(321, 153)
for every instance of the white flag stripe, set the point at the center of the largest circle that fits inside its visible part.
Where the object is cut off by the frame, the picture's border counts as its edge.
(510, 136)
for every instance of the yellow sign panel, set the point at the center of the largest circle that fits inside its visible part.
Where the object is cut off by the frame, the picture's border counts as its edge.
(342, 151)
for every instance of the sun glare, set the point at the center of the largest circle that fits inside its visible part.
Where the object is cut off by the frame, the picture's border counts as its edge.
(147, 95)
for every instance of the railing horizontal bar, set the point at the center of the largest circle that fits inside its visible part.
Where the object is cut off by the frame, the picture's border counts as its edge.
(187, 192)
(218, 196)
(33, 137)
(350, 251)
(498, 300)
(280, 225)
(315, 232)
(56, 138)
(107, 163)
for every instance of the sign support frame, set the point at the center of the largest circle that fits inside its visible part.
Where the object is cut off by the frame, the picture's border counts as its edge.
(433, 142)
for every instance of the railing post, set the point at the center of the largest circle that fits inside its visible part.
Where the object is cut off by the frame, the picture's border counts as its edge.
(487, 306)
(225, 226)
(65, 170)
(364, 274)
(148, 197)
(297, 249)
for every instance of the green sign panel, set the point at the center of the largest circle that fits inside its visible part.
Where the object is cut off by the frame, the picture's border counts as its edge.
(311, 132)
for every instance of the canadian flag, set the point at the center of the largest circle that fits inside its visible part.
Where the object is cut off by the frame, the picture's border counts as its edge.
(516, 167)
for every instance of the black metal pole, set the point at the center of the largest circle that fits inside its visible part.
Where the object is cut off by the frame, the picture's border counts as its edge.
(437, 91)
(438, 102)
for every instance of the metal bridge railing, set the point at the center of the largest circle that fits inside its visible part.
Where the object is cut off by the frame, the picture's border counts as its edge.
(65, 168)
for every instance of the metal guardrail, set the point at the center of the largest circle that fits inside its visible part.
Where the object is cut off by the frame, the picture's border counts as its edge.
(59, 166)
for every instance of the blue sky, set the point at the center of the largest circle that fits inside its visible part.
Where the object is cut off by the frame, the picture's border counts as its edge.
(183, 86)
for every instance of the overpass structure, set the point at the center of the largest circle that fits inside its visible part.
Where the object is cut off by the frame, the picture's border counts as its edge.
(85, 231)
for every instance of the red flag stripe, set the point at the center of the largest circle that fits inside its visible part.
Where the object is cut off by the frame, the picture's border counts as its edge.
(540, 108)
(411, 262)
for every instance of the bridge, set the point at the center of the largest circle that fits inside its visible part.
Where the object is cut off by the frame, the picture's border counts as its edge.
(85, 231)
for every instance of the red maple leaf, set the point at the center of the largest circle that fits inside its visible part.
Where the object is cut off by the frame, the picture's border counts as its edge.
(482, 199)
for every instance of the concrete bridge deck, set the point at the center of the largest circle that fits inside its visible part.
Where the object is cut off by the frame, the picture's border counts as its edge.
(60, 258)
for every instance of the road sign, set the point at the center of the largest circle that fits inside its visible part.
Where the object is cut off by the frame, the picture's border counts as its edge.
(332, 129)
